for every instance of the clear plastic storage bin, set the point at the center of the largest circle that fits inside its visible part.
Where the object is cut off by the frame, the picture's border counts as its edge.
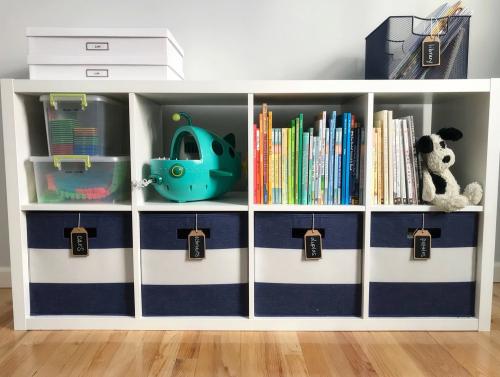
(82, 178)
(80, 124)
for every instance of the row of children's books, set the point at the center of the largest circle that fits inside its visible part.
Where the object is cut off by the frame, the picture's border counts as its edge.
(319, 164)
(396, 164)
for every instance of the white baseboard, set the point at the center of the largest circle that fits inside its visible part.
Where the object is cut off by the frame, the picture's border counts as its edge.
(5, 277)
(496, 275)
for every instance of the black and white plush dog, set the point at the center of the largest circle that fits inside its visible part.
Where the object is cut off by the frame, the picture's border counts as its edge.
(439, 186)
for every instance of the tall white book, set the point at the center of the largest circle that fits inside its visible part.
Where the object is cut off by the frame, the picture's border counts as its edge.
(390, 155)
(402, 167)
(380, 121)
(408, 167)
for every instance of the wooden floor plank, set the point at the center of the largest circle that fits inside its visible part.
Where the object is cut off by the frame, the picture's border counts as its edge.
(247, 354)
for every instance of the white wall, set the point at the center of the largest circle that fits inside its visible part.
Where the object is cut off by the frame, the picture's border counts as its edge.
(241, 39)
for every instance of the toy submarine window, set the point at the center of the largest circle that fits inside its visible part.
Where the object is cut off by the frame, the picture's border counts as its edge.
(187, 148)
(217, 147)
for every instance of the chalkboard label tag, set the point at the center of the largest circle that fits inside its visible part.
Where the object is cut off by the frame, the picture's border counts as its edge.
(431, 51)
(79, 242)
(312, 244)
(422, 245)
(196, 244)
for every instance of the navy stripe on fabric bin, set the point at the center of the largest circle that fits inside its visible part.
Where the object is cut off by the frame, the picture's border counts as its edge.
(422, 299)
(195, 300)
(46, 229)
(272, 299)
(391, 229)
(227, 230)
(342, 230)
(82, 299)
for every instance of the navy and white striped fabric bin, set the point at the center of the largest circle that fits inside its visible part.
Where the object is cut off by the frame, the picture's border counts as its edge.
(173, 285)
(62, 284)
(442, 286)
(288, 285)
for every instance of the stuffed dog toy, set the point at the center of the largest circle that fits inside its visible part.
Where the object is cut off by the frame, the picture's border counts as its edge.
(439, 186)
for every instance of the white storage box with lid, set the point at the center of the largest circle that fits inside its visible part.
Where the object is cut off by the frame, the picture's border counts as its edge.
(81, 178)
(104, 53)
(85, 125)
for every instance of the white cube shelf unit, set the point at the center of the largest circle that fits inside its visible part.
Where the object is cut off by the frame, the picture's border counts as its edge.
(232, 106)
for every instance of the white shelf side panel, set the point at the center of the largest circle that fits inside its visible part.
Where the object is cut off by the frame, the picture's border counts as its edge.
(250, 200)
(487, 222)
(16, 142)
(368, 177)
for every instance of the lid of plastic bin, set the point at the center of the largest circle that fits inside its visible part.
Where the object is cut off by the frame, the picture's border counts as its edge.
(104, 32)
(90, 98)
(50, 159)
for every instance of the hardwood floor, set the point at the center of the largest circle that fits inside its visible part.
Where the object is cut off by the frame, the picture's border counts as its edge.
(193, 353)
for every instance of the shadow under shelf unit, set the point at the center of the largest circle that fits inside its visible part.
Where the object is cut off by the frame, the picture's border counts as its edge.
(357, 257)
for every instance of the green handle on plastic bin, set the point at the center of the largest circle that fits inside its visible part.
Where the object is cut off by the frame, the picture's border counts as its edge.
(53, 98)
(70, 158)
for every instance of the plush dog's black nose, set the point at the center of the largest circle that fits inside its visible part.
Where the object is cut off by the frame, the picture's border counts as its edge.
(446, 159)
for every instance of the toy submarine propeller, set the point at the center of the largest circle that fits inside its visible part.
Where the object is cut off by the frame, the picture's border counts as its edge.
(202, 165)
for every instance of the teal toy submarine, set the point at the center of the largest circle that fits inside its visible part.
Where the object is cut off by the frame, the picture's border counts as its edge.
(202, 165)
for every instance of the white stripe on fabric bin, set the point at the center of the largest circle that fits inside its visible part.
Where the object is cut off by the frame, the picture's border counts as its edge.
(172, 267)
(288, 266)
(100, 266)
(445, 265)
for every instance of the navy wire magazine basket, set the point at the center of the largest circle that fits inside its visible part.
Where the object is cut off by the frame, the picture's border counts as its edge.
(394, 48)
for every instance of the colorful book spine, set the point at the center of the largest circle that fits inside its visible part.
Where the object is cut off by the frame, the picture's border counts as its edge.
(265, 156)
(296, 163)
(326, 169)
(289, 165)
(362, 165)
(279, 166)
(304, 167)
(375, 166)
(316, 162)
(256, 175)
(351, 174)
(270, 164)
(310, 175)
(261, 159)
(338, 165)
(292, 163)
(284, 161)
(299, 157)
(271, 167)
(322, 157)
(331, 156)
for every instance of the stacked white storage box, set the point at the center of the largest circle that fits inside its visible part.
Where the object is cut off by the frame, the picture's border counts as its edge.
(112, 54)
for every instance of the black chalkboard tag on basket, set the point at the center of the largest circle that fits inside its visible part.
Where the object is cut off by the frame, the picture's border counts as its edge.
(422, 244)
(431, 51)
(312, 244)
(79, 242)
(196, 244)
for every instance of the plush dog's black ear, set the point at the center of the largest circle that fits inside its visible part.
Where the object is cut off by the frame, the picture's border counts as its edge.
(450, 134)
(425, 145)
